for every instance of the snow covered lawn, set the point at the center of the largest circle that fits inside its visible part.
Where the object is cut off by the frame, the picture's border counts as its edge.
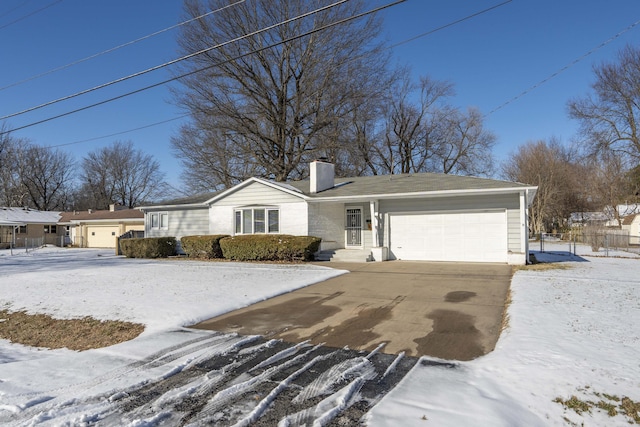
(572, 332)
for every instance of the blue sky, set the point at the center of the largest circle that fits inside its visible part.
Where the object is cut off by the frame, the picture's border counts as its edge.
(490, 58)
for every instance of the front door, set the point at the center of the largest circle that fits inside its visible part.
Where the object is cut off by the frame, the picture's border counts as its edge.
(354, 227)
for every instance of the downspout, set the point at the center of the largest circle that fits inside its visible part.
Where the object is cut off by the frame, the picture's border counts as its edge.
(375, 236)
(525, 229)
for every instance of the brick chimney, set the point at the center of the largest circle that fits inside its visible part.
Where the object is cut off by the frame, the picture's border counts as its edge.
(321, 174)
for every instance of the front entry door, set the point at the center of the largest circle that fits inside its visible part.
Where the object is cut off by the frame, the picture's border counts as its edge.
(354, 227)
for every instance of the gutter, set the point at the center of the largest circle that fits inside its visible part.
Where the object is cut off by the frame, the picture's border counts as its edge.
(425, 194)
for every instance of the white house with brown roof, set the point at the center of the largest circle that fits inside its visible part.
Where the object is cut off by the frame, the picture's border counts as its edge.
(425, 216)
(101, 228)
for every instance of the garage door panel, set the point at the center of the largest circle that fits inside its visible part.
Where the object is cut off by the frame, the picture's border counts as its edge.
(464, 236)
(102, 236)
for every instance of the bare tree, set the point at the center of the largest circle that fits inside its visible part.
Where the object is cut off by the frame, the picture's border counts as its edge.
(609, 183)
(553, 168)
(11, 191)
(121, 174)
(410, 125)
(609, 117)
(464, 146)
(271, 104)
(45, 177)
(423, 133)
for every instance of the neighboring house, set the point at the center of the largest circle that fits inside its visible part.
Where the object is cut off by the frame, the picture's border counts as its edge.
(100, 228)
(432, 217)
(29, 227)
(631, 223)
(591, 219)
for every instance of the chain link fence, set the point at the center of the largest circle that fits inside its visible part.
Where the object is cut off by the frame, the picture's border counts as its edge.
(589, 241)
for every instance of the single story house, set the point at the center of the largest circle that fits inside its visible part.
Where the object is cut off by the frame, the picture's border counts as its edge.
(631, 223)
(25, 227)
(100, 228)
(425, 216)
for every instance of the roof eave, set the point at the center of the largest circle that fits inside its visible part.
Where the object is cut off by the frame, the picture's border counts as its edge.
(252, 180)
(202, 205)
(425, 194)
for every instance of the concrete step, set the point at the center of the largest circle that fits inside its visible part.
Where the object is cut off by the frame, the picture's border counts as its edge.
(344, 255)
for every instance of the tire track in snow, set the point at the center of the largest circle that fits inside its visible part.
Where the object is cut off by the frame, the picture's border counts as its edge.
(243, 381)
(48, 403)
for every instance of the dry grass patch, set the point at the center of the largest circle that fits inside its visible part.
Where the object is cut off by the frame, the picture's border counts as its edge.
(542, 266)
(504, 324)
(612, 405)
(41, 330)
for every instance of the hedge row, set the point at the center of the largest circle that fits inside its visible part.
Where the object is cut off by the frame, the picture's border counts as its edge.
(269, 247)
(207, 247)
(150, 247)
(254, 247)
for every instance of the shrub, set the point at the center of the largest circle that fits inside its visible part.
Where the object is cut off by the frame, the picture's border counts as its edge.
(149, 247)
(202, 246)
(269, 247)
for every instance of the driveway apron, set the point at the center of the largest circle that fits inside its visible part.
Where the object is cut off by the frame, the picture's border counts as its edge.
(446, 310)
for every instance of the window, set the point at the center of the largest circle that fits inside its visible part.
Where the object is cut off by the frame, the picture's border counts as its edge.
(22, 229)
(50, 229)
(159, 220)
(164, 220)
(274, 221)
(257, 221)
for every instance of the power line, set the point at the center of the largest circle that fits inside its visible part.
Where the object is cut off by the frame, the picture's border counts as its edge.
(397, 44)
(342, 21)
(104, 52)
(29, 14)
(450, 24)
(166, 64)
(563, 69)
(119, 133)
(8, 12)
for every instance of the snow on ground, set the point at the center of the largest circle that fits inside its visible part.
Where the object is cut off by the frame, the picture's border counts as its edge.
(164, 295)
(572, 332)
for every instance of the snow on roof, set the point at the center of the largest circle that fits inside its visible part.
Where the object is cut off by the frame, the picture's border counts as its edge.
(28, 216)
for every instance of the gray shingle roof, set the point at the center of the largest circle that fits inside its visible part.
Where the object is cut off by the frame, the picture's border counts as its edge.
(405, 184)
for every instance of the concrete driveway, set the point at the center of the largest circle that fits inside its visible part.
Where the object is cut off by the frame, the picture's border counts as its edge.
(447, 310)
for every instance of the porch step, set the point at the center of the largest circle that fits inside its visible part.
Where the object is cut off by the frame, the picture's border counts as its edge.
(344, 255)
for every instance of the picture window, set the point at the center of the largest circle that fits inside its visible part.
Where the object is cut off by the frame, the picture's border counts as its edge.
(257, 221)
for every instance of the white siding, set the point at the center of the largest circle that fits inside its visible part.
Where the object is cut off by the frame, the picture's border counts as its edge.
(293, 209)
(182, 222)
(257, 194)
(326, 220)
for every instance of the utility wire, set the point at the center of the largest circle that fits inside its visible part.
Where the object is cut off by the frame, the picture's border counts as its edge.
(450, 24)
(563, 69)
(119, 133)
(342, 21)
(30, 14)
(186, 115)
(8, 12)
(95, 55)
(166, 64)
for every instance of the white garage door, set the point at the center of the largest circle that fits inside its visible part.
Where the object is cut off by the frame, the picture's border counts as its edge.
(465, 236)
(102, 236)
